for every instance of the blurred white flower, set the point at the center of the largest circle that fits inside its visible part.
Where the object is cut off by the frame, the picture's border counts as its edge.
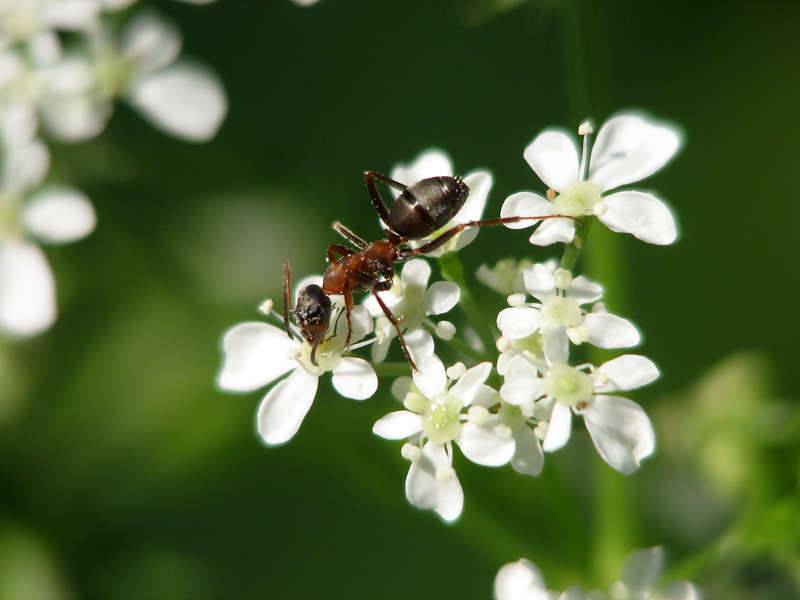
(178, 96)
(29, 213)
(628, 148)
(521, 580)
(440, 412)
(411, 301)
(256, 354)
(434, 163)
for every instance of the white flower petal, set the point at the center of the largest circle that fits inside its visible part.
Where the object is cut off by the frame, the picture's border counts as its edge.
(585, 291)
(522, 382)
(539, 280)
(479, 183)
(416, 272)
(628, 149)
(627, 372)
(255, 355)
(556, 343)
(678, 590)
(58, 215)
(420, 344)
(398, 425)
(520, 580)
(470, 383)
(528, 456)
(361, 323)
(620, 430)
(554, 158)
(72, 15)
(431, 163)
(27, 289)
(518, 322)
(285, 406)
(640, 214)
(74, 119)
(485, 445)
(183, 99)
(640, 571)
(150, 41)
(610, 331)
(525, 204)
(25, 167)
(430, 377)
(441, 297)
(355, 378)
(553, 231)
(424, 490)
(559, 429)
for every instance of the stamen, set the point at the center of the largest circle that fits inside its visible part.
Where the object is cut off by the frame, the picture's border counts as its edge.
(584, 131)
(266, 307)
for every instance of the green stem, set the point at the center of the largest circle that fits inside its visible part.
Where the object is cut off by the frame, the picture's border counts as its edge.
(453, 271)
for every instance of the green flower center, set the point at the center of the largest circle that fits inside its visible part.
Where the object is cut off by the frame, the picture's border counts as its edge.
(562, 309)
(577, 199)
(440, 419)
(328, 356)
(568, 385)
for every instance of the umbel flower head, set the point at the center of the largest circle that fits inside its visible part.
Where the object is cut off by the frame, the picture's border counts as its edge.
(628, 148)
(257, 354)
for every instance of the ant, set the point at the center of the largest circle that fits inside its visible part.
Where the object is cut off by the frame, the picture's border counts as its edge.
(420, 210)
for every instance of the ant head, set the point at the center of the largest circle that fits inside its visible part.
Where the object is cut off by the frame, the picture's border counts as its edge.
(313, 313)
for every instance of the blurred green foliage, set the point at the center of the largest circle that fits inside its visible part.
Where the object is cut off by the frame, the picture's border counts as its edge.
(126, 474)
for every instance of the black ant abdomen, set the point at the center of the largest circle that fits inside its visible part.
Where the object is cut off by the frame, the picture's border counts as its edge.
(426, 206)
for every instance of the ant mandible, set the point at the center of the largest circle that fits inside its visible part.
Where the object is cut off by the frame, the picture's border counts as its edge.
(420, 210)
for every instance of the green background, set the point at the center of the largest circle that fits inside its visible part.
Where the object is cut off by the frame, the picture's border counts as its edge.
(124, 472)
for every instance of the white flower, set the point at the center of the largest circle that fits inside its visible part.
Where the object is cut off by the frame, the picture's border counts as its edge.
(522, 411)
(505, 277)
(434, 163)
(179, 97)
(521, 580)
(53, 215)
(640, 571)
(639, 576)
(619, 428)
(412, 302)
(628, 148)
(560, 299)
(439, 414)
(256, 354)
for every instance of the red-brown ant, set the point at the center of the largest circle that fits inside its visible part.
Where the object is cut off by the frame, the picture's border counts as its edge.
(419, 211)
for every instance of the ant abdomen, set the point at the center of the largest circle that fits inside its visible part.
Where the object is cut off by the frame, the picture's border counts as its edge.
(426, 206)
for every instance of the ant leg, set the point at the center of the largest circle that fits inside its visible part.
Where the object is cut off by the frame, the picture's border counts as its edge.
(350, 236)
(287, 298)
(447, 235)
(348, 306)
(394, 322)
(377, 201)
(334, 249)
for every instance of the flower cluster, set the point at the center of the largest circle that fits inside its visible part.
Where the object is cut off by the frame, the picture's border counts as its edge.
(638, 580)
(62, 65)
(517, 401)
